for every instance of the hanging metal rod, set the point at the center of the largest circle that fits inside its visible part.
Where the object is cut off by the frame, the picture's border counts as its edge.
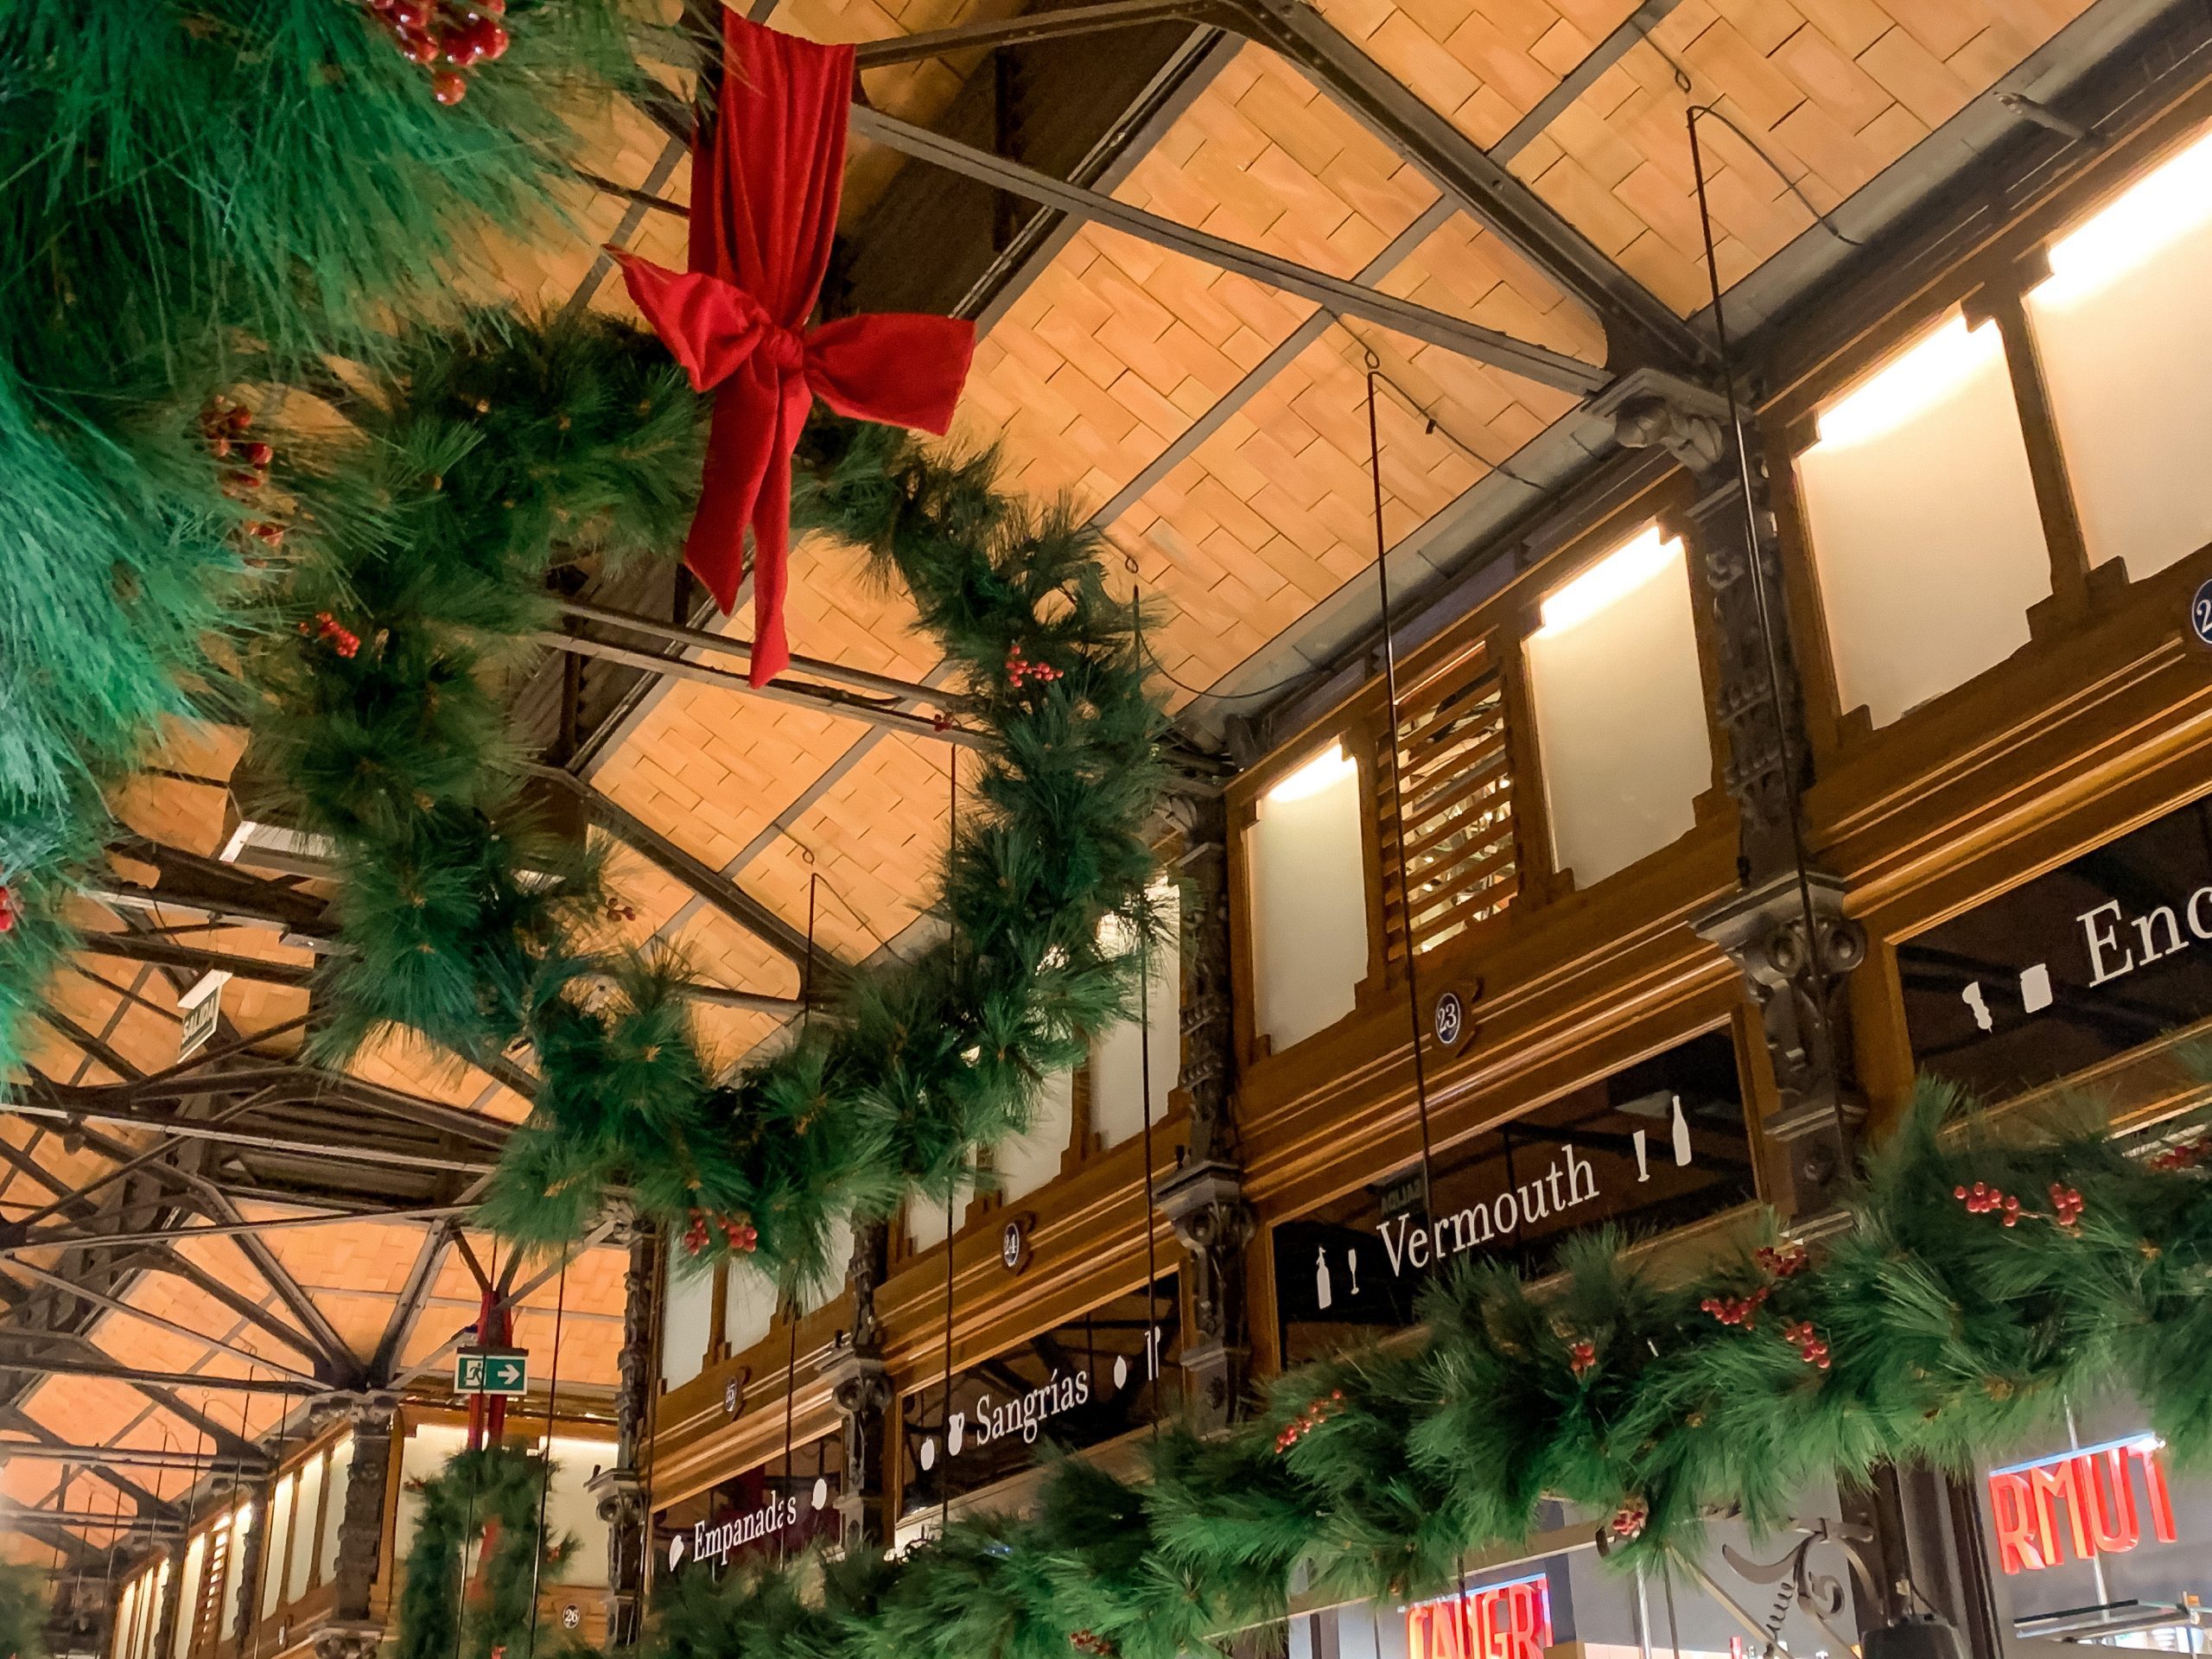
(823, 699)
(139, 947)
(860, 679)
(1538, 363)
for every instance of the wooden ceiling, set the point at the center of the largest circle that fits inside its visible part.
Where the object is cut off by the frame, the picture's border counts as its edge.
(1212, 428)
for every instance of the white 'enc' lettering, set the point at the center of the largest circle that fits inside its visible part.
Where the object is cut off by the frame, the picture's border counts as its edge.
(1024, 1416)
(2159, 932)
(1487, 1219)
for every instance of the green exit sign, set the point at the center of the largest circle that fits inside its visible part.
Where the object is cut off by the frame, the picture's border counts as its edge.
(491, 1370)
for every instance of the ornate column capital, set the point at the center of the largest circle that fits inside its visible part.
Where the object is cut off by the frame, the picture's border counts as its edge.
(1796, 975)
(1205, 1203)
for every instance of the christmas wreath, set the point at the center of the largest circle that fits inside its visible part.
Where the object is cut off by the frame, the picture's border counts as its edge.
(477, 1516)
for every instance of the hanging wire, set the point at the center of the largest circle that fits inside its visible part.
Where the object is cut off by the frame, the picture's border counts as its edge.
(545, 1477)
(1770, 651)
(260, 1590)
(944, 1461)
(791, 1406)
(1398, 808)
(484, 1320)
(1152, 1343)
(238, 1512)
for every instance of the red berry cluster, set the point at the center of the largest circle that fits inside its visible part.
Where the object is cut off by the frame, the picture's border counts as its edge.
(1629, 1519)
(619, 911)
(1810, 1348)
(1090, 1641)
(1020, 670)
(464, 34)
(224, 425)
(8, 909)
(737, 1232)
(1783, 1261)
(1983, 1199)
(2185, 1154)
(1581, 1356)
(1737, 1310)
(2066, 1205)
(1309, 1419)
(342, 640)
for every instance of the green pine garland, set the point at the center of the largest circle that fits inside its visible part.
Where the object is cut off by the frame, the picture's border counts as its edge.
(480, 461)
(24, 1601)
(1949, 1337)
(200, 198)
(497, 1490)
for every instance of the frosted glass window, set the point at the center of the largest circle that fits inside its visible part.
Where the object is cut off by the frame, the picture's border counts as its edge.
(234, 1586)
(1026, 1161)
(1309, 898)
(273, 1553)
(687, 1322)
(334, 1507)
(571, 1508)
(195, 1560)
(1926, 538)
(2125, 340)
(926, 1218)
(149, 1629)
(837, 1250)
(302, 1570)
(1116, 1069)
(126, 1623)
(749, 1305)
(1619, 702)
(422, 1455)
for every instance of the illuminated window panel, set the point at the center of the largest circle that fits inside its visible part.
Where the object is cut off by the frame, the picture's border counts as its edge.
(2125, 339)
(1309, 898)
(1926, 538)
(1619, 701)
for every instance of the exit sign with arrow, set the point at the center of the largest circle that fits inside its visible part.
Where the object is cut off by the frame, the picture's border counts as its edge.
(491, 1370)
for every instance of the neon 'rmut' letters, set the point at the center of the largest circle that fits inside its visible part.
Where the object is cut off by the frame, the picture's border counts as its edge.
(2094, 1492)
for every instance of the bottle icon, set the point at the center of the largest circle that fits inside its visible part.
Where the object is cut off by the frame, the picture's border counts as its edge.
(1325, 1287)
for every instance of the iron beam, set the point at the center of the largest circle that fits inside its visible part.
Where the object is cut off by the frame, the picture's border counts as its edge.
(116, 1305)
(1631, 313)
(49, 1364)
(137, 1457)
(823, 699)
(1538, 363)
(860, 679)
(184, 1128)
(1028, 27)
(122, 1521)
(140, 947)
(231, 1230)
(710, 884)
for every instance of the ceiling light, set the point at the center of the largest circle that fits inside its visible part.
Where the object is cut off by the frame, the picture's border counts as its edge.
(1915, 380)
(1325, 771)
(2159, 208)
(1619, 574)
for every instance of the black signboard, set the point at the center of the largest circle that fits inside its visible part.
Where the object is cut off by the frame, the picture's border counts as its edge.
(774, 1510)
(1657, 1144)
(1115, 1368)
(2094, 959)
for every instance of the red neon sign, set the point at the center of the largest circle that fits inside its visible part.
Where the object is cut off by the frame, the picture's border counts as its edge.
(2097, 1486)
(1497, 1621)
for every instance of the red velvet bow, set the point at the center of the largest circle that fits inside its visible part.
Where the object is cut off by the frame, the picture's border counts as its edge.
(765, 186)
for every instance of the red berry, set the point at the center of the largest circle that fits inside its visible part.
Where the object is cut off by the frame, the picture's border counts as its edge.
(447, 87)
(418, 48)
(239, 419)
(220, 445)
(493, 39)
(258, 454)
